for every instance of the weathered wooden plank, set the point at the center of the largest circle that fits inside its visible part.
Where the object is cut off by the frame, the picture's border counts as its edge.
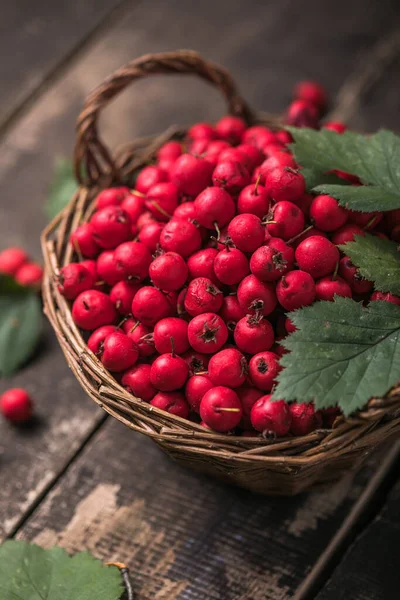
(246, 40)
(35, 37)
(183, 535)
(370, 568)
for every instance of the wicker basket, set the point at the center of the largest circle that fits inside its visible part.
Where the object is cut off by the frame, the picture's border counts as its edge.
(285, 466)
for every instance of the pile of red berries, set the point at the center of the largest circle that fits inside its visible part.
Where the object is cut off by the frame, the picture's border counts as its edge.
(185, 282)
(15, 262)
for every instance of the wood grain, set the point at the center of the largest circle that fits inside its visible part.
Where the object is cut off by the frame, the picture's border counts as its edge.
(35, 37)
(184, 535)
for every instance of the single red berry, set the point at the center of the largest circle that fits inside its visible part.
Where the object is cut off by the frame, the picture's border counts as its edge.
(196, 387)
(134, 259)
(122, 295)
(263, 370)
(83, 242)
(228, 367)
(254, 155)
(74, 279)
(172, 402)
(326, 214)
(256, 296)
(196, 361)
(170, 151)
(150, 234)
(141, 335)
(231, 311)
(181, 237)
(191, 174)
(231, 175)
(12, 259)
(235, 155)
(137, 381)
(295, 289)
(168, 271)
(330, 286)
(220, 409)
(111, 226)
(185, 211)
(30, 274)
(151, 305)
(169, 372)
(231, 129)
(287, 220)
(108, 269)
(335, 126)
(366, 220)
(214, 206)
(270, 262)
(258, 136)
(386, 297)
(16, 405)
(346, 234)
(171, 333)
(311, 91)
(162, 200)
(318, 256)
(198, 147)
(96, 341)
(91, 266)
(254, 200)
(231, 266)
(289, 325)
(133, 205)
(271, 418)
(248, 396)
(246, 232)
(253, 334)
(148, 177)
(111, 197)
(302, 114)
(119, 352)
(278, 161)
(93, 309)
(202, 131)
(202, 297)
(207, 333)
(352, 275)
(305, 418)
(284, 137)
(201, 264)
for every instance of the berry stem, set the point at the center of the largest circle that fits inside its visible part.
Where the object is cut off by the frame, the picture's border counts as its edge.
(172, 346)
(137, 193)
(161, 210)
(77, 250)
(296, 237)
(257, 184)
(233, 410)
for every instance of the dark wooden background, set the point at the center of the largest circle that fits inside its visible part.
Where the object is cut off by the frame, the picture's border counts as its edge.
(82, 480)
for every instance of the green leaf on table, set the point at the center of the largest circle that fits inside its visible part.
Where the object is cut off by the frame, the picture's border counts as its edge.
(377, 260)
(28, 572)
(374, 159)
(342, 354)
(62, 188)
(20, 325)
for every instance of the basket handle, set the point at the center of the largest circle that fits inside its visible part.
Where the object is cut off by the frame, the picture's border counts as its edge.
(92, 158)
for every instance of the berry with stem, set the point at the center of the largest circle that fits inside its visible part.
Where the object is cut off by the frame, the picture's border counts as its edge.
(74, 279)
(136, 381)
(134, 259)
(304, 418)
(122, 295)
(108, 269)
(287, 220)
(253, 334)
(168, 271)
(295, 289)
(133, 205)
(181, 237)
(111, 197)
(169, 372)
(201, 264)
(141, 335)
(191, 174)
(150, 234)
(270, 262)
(352, 275)
(220, 409)
(171, 332)
(172, 402)
(231, 311)
(318, 256)
(326, 214)
(93, 309)
(202, 296)
(228, 368)
(119, 352)
(271, 418)
(329, 287)
(246, 232)
(195, 388)
(213, 208)
(151, 305)
(207, 333)
(263, 370)
(254, 200)
(83, 242)
(96, 341)
(256, 296)
(162, 200)
(111, 227)
(231, 266)
(231, 175)
(284, 183)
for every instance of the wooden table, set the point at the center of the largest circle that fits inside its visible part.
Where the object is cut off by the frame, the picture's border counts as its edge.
(81, 480)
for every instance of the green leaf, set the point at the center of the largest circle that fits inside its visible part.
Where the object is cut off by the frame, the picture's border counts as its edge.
(315, 178)
(342, 354)
(28, 572)
(62, 188)
(375, 160)
(377, 260)
(9, 285)
(20, 327)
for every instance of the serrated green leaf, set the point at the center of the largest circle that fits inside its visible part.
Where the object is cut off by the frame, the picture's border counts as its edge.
(62, 188)
(28, 572)
(315, 178)
(20, 327)
(374, 159)
(377, 260)
(342, 354)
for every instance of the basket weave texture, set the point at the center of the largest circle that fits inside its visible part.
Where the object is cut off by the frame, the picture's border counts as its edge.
(285, 466)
